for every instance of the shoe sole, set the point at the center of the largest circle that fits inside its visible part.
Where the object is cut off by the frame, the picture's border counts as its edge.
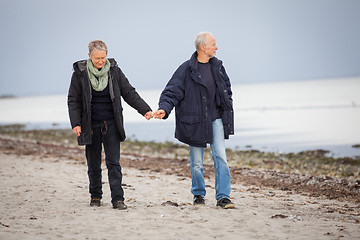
(229, 206)
(199, 204)
(120, 208)
(94, 205)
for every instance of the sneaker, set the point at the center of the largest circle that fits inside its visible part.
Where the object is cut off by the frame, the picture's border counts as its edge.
(95, 202)
(225, 203)
(198, 200)
(119, 205)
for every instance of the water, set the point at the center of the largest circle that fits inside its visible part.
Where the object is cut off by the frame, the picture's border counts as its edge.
(278, 117)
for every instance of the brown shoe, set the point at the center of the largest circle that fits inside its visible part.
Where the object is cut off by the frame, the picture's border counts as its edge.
(119, 205)
(95, 202)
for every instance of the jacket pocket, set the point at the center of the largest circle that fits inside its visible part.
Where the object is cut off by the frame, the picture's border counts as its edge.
(190, 118)
(189, 126)
(85, 138)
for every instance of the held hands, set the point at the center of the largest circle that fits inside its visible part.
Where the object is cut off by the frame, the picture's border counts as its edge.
(149, 115)
(159, 114)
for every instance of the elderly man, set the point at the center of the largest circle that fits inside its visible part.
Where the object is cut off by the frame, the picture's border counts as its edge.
(200, 91)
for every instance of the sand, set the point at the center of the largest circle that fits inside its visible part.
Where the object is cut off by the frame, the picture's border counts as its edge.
(47, 198)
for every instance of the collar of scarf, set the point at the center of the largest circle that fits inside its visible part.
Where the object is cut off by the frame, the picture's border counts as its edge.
(98, 79)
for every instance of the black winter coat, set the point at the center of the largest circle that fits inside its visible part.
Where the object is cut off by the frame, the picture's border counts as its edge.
(187, 92)
(79, 99)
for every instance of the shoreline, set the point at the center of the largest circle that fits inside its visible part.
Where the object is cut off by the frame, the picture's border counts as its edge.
(136, 129)
(133, 127)
(282, 117)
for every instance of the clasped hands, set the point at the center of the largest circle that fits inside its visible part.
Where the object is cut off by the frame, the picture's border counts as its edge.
(159, 114)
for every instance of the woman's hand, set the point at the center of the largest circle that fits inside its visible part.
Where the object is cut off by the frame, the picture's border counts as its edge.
(149, 115)
(77, 130)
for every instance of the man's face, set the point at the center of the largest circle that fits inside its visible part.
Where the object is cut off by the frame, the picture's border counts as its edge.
(210, 47)
(98, 58)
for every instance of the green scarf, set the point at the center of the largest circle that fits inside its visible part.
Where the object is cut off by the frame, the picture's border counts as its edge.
(99, 79)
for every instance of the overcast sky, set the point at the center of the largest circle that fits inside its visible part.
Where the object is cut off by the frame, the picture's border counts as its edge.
(258, 40)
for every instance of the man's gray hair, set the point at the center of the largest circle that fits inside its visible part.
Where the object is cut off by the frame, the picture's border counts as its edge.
(97, 45)
(201, 39)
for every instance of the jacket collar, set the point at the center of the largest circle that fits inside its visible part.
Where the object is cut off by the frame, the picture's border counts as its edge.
(81, 65)
(214, 61)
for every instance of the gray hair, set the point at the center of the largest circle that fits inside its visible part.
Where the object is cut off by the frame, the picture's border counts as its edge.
(97, 45)
(201, 39)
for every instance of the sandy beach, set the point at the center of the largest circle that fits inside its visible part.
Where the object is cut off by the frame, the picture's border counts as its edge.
(44, 195)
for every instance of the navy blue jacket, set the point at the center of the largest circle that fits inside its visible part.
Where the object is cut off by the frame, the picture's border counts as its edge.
(80, 95)
(187, 92)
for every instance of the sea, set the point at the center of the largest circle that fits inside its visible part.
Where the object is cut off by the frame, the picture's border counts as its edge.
(280, 117)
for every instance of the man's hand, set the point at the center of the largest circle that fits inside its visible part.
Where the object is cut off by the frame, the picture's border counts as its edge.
(77, 130)
(159, 114)
(149, 115)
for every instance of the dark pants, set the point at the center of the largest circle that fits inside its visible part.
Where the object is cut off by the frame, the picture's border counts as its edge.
(105, 133)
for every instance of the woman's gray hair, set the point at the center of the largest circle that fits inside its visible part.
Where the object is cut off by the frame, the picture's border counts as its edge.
(201, 39)
(97, 45)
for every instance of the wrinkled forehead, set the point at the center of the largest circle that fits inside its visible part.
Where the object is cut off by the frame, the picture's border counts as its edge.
(98, 53)
(210, 39)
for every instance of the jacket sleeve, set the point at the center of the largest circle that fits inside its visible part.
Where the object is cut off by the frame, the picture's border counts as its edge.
(227, 86)
(173, 92)
(130, 95)
(228, 114)
(75, 101)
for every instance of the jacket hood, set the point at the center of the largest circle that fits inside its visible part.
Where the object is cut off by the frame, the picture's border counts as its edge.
(81, 65)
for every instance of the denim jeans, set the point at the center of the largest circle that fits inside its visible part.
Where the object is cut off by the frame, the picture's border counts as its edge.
(222, 173)
(107, 134)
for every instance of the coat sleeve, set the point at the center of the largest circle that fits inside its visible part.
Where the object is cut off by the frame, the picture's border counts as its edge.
(75, 101)
(129, 94)
(228, 113)
(227, 86)
(173, 92)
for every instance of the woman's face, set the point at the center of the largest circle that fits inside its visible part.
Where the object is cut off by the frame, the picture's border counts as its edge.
(98, 58)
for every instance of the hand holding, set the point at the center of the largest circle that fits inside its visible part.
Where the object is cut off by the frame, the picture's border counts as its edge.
(149, 115)
(159, 114)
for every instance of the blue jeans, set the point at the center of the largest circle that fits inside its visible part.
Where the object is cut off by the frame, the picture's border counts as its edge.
(107, 134)
(222, 173)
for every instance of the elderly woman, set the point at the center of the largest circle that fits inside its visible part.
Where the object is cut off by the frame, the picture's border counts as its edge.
(95, 111)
